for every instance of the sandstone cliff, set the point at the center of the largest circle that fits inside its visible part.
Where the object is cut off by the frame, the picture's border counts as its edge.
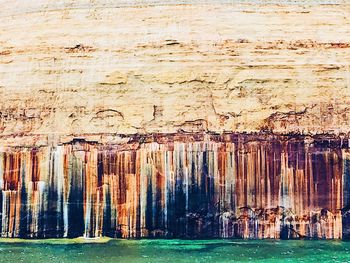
(97, 67)
(195, 120)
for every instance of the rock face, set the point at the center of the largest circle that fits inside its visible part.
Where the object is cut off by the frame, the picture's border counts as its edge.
(140, 119)
(99, 67)
(187, 187)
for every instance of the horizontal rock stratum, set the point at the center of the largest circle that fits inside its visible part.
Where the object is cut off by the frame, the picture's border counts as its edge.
(87, 67)
(214, 119)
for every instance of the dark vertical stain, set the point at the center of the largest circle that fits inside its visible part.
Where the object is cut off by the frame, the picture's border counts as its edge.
(247, 186)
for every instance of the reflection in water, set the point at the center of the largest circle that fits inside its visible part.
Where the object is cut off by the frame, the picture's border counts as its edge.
(181, 186)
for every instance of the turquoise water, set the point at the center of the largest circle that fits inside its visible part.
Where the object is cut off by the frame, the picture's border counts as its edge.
(112, 250)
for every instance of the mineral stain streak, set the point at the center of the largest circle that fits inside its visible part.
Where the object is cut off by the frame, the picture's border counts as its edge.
(184, 186)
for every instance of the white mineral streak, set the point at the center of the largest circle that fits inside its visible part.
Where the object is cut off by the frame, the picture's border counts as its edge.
(99, 69)
(205, 188)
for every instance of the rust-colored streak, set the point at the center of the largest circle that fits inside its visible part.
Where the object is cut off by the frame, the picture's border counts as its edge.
(199, 187)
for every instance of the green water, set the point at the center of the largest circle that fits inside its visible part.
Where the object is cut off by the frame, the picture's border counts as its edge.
(112, 250)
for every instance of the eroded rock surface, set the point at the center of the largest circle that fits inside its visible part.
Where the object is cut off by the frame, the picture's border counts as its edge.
(187, 186)
(77, 68)
(195, 120)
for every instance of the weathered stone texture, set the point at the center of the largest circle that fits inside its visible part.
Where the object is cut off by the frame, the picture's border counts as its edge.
(89, 68)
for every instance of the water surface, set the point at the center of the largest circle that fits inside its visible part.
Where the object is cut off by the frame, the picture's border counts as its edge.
(116, 250)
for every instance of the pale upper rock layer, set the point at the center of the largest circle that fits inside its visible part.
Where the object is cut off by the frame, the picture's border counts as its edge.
(94, 67)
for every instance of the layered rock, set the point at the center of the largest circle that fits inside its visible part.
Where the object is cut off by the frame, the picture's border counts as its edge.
(101, 67)
(197, 120)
